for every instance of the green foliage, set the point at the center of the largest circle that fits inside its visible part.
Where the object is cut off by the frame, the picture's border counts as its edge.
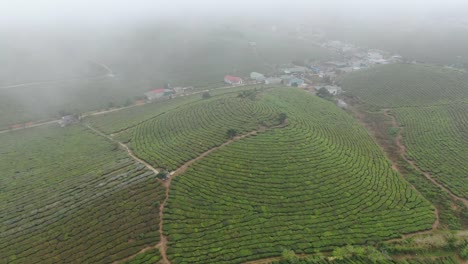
(162, 174)
(231, 133)
(282, 117)
(249, 94)
(464, 251)
(393, 131)
(324, 93)
(206, 95)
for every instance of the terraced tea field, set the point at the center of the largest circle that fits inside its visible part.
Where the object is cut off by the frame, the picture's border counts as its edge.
(115, 122)
(398, 85)
(310, 185)
(437, 138)
(176, 137)
(68, 195)
(360, 260)
(431, 104)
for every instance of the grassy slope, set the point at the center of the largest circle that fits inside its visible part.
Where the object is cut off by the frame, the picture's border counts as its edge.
(314, 184)
(68, 195)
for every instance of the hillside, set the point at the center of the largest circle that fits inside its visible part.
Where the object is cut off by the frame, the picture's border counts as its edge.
(430, 106)
(310, 185)
(306, 183)
(398, 85)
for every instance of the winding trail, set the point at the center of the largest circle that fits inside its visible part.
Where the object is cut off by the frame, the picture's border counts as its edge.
(403, 153)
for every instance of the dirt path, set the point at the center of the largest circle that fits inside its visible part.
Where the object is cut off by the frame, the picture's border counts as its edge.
(167, 184)
(102, 112)
(162, 245)
(360, 118)
(403, 153)
(30, 126)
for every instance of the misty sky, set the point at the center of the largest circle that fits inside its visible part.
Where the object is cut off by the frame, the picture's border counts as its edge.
(55, 12)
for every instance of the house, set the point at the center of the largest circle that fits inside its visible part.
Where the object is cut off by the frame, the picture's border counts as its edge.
(296, 82)
(232, 80)
(285, 78)
(257, 76)
(334, 90)
(342, 104)
(158, 94)
(315, 69)
(68, 120)
(374, 55)
(178, 90)
(273, 80)
(297, 69)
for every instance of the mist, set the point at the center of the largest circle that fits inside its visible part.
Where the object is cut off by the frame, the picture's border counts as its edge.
(52, 52)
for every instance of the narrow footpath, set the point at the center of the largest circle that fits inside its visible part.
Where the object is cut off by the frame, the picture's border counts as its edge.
(360, 117)
(162, 245)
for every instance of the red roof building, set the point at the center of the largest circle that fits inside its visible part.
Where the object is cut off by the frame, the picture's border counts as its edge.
(232, 79)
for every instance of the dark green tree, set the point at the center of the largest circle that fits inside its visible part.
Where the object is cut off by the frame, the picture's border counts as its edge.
(324, 93)
(206, 95)
(231, 133)
(282, 117)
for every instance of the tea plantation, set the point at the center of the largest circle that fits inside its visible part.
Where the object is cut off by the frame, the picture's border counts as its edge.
(69, 196)
(311, 185)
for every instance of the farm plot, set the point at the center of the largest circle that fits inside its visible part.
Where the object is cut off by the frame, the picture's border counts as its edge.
(311, 185)
(70, 196)
(172, 139)
(437, 139)
(399, 85)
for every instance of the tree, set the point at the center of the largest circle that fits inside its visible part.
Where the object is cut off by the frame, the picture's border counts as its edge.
(324, 93)
(206, 95)
(162, 175)
(232, 132)
(282, 117)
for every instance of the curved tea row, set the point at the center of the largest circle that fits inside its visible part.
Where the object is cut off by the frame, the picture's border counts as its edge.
(318, 183)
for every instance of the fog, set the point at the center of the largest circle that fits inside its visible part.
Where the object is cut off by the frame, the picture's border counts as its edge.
(55, 54)
(57, 13)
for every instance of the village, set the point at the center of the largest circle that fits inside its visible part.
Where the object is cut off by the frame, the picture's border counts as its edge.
(320, 78)
(309, 75)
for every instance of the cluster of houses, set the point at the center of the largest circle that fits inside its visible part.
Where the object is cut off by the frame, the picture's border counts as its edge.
(167, 93)
(310, 75)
